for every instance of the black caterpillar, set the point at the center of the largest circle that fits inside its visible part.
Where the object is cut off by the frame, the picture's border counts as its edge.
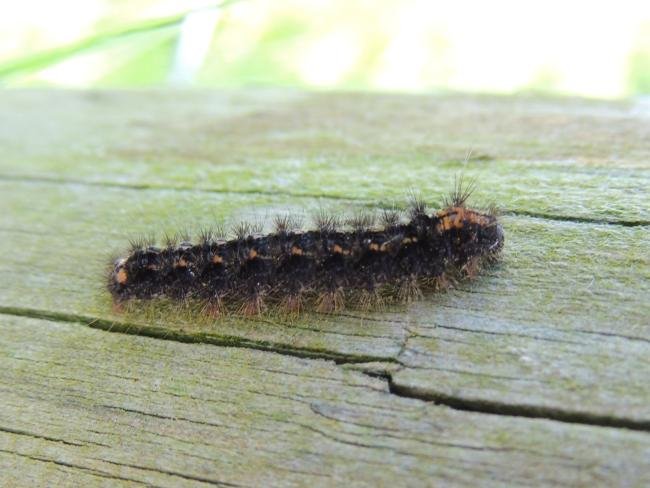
(326, 269)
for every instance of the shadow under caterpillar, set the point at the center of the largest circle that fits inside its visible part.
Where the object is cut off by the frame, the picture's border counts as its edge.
(325, 270)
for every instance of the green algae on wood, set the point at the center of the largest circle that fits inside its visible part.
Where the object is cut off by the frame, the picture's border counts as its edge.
(80, 404)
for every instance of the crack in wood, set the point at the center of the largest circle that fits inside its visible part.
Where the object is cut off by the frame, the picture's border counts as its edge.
(159, 416)
(612, 334)
(179, 188)
(456, 402)
(9, 430)
(473, 373)
(575, 219)
(514, 410)
(333, 197)
(195, 338)
(94, 472)
(202, 479)
(490, 332)
(319, 410)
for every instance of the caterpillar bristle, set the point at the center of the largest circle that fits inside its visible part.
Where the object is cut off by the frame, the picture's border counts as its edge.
(331, 301)
(184, 236)
(140, 243)
(283, 224)
(292, 305)
(118, 307)
(471, 268)
(326, 222)
(461, 192)
(362, 221)
(208, 236)
(213, 307)
(441, 283)
(170, 240)
(256, 227)
(390, 218)
(492, 210)
(409, 290)
(242, 230)
(253, 306)
(371, 300)
(368, 263)
(417, 206)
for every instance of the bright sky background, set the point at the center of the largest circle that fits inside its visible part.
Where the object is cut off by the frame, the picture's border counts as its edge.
(589, 48)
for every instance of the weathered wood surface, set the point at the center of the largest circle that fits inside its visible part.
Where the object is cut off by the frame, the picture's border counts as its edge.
(561, 158)
(559, 330)
(79, 404)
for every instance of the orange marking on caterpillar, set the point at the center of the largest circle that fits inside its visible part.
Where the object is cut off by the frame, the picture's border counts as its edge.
(248, 269)
(121, 276)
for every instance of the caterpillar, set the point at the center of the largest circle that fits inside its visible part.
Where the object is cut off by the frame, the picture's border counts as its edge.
(326, 269)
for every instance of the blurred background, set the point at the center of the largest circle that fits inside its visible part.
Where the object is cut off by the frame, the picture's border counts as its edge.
(586, 48)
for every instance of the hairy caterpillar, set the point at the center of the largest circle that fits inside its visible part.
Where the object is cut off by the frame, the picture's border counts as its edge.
(326, 269)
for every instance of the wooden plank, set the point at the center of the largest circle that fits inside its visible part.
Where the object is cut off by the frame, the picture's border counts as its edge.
(548, 332)
(58, 265)
(560, 329)
(82, 406)
(567, 158)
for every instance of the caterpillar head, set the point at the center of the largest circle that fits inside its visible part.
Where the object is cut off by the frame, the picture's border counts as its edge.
(469, 231)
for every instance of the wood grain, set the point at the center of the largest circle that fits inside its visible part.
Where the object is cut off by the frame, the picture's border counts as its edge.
(81, 405)
(558, 330)
(566, 158)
